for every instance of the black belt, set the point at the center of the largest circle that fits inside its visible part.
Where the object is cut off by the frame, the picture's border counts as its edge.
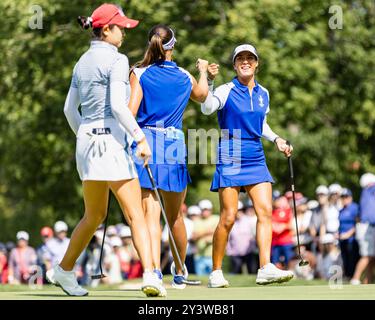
(100, 131)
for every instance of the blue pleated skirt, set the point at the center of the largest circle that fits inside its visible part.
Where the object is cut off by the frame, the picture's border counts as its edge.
(240, 163)
(168, 163)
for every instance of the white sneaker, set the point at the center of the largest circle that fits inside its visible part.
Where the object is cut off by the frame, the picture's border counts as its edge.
(50, 276)
(217, 280)
(271, 274)
(355, 282)
(159, 275)
(151, 285)
(66, 280)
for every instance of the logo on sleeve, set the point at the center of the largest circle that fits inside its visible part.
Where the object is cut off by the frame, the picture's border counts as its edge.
(261, 102)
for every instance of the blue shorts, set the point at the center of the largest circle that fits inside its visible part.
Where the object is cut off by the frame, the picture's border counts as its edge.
(285, 251)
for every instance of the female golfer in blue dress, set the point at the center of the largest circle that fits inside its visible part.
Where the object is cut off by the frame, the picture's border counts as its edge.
(242, 106)
(100, 85)
(160, 93)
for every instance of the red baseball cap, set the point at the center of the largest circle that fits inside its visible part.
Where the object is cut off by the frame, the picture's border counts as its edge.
(46, 232)
(111, 14)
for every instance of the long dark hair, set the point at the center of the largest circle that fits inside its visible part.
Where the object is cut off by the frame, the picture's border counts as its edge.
(97, 33)
(157, 36)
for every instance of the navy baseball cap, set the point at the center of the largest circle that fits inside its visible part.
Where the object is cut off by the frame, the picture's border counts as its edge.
(346, 193)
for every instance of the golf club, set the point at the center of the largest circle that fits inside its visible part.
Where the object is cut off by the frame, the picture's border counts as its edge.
(102, 275)
(189, 282)
(290, 163)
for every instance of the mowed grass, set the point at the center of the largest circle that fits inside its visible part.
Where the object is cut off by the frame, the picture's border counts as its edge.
(242, 287)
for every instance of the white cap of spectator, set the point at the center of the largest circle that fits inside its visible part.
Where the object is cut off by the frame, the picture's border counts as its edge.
(322, 189)
(119, 226)
(116, 242)
(111, 231)
(312, 204)
(205, 204)
(60, 226)
(99, 235)
(335, 188)
(327, 238)
(367, 179)
(240, 205)
(194, 211)
(125, 232)
(22, 235)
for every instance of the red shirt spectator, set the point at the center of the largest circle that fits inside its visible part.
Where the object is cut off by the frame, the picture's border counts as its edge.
(3, 266)
(281, 226)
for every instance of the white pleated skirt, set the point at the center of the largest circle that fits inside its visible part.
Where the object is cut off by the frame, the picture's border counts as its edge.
(104, 157)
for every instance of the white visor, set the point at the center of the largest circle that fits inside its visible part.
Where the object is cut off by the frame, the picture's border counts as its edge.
(244, 47)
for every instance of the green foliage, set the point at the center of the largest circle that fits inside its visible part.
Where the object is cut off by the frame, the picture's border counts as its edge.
(321, 83)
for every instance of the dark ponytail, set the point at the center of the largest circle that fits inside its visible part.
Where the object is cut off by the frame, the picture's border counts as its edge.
(84, 22)
(158, 35)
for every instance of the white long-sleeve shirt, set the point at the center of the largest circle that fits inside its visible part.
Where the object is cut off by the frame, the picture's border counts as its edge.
(100, 84)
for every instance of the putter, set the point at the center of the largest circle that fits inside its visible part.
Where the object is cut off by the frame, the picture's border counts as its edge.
(102, 275)
(188, 282)
(290, 163)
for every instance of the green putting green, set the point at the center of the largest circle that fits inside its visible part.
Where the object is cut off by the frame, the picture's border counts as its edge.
(242, 287)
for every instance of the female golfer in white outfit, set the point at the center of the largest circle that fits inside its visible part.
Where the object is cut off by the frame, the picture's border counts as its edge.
(100, 85)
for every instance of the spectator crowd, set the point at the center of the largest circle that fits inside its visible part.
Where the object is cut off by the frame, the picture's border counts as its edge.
(336, 235)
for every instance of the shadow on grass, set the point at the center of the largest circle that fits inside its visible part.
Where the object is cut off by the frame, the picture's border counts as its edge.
(119, 294)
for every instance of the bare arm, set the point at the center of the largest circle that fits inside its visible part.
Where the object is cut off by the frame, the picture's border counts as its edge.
(136, 94)
(198, 235)
(200, 89)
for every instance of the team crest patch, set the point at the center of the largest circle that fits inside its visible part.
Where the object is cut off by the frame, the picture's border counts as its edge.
(261, 102)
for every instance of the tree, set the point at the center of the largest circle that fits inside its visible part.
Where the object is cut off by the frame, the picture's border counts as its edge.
(320, 81)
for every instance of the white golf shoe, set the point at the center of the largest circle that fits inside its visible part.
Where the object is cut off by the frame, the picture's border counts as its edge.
(151, 285)
(355, 282)
(66, 280)
(217, 280)
(271, 274)
(159, 275)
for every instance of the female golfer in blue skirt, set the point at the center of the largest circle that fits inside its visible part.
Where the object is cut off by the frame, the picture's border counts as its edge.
(100, 85)
(242, 106)
(160, 94)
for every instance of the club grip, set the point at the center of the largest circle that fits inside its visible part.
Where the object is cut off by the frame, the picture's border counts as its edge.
(291, 167)
(290, 163)
(151, 177)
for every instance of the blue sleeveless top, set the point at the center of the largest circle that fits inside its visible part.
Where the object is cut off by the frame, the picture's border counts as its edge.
(166, 92)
